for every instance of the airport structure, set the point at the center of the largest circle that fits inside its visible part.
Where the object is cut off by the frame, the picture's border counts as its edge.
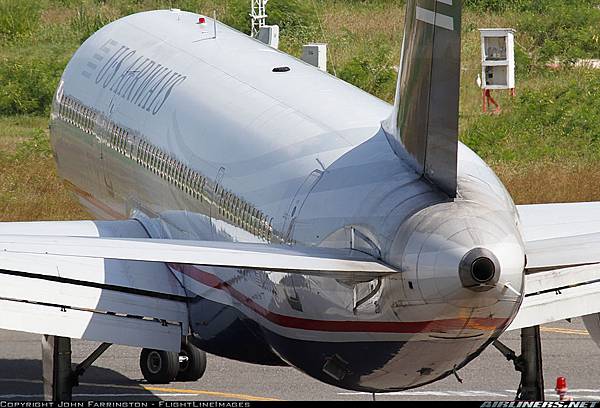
(252, 206)
(497, 63)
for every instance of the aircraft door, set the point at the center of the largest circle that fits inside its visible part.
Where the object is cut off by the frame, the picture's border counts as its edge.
(297, 203)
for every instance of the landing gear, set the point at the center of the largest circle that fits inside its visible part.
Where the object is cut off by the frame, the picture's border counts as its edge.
(529, 364)
(192, 363)
(162, 367)
(56, 368)
(58, 376)
(158, 366)
(532, 377)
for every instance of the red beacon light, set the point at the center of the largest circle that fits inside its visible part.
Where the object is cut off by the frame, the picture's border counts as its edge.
(201, 20)
(561, 384)
(561, 389)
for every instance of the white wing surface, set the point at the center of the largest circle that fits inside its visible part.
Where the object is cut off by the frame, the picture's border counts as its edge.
(331, 262)
(116, 301)
(107, 281)
(562, 244)
(545, 221)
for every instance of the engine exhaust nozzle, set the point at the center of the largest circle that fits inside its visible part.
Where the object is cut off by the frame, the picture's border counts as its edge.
(479, 270)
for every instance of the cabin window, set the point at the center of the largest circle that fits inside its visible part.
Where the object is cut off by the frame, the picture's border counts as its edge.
(80, 116)
(69, 111)
(186, 178)
(128, 145)
(113, 136)
(145, 156)
(196, 185)
(246, 213)
(138, 154)
(254, 219)
(146, 152)
(121, 140)
(124, 142)
(88, 120)
(76, 114)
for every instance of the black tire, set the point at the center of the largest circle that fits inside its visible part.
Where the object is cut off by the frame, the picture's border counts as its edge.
(192, 363)
(159, 367)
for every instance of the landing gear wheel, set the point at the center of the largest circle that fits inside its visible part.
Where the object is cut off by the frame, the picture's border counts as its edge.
(159, 367)
(192, 363)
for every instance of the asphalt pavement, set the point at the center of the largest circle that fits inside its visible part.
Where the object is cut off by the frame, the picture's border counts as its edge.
(567, 351)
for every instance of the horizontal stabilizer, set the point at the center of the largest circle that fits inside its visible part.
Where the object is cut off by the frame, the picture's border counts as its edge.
(545, 221)
(563, 252)
(562, 276)
(559, 294)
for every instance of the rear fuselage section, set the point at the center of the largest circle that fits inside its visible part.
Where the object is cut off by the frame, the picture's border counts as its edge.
(190, 129)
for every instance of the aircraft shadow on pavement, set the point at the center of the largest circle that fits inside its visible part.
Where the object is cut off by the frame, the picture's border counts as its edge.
(22, 379)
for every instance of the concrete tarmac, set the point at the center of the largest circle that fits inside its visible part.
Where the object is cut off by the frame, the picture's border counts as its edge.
(567, 350)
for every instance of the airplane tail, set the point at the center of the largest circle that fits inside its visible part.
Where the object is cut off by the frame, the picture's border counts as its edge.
(424, 123)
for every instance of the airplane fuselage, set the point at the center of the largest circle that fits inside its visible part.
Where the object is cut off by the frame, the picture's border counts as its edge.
(214, 136)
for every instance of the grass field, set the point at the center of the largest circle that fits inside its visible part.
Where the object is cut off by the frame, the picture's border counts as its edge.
(548, 135)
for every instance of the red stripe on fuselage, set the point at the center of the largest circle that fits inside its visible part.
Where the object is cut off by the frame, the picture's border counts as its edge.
(431, 326)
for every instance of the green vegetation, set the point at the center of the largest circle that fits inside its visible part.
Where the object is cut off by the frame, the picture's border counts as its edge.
(29, 186)
(558, 120)
(552, 125)
(372, 70)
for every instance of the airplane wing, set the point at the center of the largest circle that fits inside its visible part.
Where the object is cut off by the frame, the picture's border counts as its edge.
(562, 279)
(108, 281)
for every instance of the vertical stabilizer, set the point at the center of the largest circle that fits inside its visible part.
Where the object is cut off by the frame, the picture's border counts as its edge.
(424, 123)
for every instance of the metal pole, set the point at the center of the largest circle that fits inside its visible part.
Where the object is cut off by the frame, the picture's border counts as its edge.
(532, 377)
(56, 368)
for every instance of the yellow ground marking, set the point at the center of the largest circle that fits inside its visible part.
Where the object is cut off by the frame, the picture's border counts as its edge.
(141, 387)
(211, 393)
(561, 330)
